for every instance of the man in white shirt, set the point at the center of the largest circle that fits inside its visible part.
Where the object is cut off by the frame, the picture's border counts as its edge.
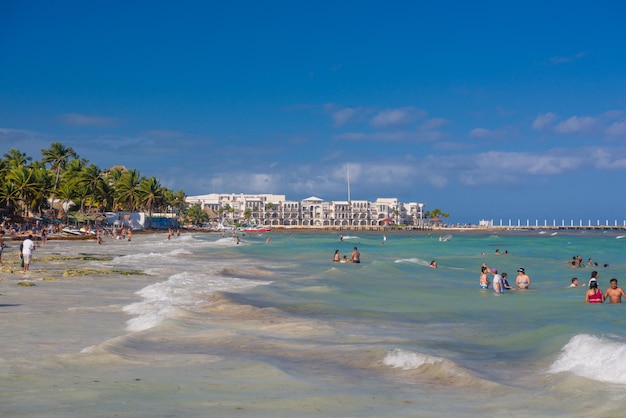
(497, 281)
(28, 246)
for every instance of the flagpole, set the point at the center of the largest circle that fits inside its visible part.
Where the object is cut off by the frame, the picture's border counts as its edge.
(348, 182)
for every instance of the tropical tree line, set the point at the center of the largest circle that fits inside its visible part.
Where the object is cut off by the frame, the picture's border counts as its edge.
(436, 213)
(61, 181)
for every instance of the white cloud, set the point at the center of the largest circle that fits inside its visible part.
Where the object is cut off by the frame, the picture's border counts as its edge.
(617, 129)
(342, 116)
(566, 59)
(576, 125)
(77, 119)
(482, 133)
(393, 136)
(544, 121)
(433, 123)
(396, 117)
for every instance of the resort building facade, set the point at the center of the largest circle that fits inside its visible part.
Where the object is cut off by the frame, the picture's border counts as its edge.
(275, 211)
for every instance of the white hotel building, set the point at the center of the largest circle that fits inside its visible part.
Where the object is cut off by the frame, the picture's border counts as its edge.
(275, 211)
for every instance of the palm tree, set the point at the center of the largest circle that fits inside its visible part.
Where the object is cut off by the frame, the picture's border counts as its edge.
(92, 179)
(67, 193)
(177, 200)
(26, 184)
(150, 193)
(247, 214)
(57, 156)
(15, 158)
(9, 195)
(40, 194)
(196, 215)
(127, 193)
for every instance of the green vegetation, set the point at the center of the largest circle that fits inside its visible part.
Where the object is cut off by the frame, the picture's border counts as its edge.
(28, 187)
(196, 215)
(436, 213)
(91, 272)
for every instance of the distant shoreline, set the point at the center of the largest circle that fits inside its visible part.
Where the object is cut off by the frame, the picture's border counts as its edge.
(474, 230)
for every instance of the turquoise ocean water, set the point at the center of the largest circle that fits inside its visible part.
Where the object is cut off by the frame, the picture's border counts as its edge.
(277, 329)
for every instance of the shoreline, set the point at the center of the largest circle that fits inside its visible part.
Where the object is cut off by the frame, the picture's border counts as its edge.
(377, 230)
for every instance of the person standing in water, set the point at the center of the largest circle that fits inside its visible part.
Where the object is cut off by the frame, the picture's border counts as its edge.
(484, 279)
(355, 257)
(594, 295)
(497, 281)
(522, 281)
(614, 294)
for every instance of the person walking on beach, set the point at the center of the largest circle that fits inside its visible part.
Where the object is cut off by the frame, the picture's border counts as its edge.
(28, 246)
(355, 257)
(594, 295)
(614, 294)
(1, 245)
(522, 281)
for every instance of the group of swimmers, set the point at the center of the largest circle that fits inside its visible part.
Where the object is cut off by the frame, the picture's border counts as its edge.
(500, 282)
(355, 257)
(594, 294)
(578, 262)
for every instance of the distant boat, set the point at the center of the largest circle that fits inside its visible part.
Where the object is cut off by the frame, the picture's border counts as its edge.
(445, 238)
(72, 231)
(553, 234)
(620, 236)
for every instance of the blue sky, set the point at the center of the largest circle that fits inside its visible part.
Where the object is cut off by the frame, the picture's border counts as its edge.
(486, 110)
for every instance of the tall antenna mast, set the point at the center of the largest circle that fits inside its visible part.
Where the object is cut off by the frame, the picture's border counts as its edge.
(348, 182)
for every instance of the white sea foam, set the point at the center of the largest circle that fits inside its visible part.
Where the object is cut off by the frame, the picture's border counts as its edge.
(598, 358)
(181, 291)
(414, 261)
(408, 360)
(226, 242)
(346, 237)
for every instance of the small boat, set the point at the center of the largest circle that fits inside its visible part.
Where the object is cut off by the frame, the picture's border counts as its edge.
(445, 238)
(257, 229)
(72, 231)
